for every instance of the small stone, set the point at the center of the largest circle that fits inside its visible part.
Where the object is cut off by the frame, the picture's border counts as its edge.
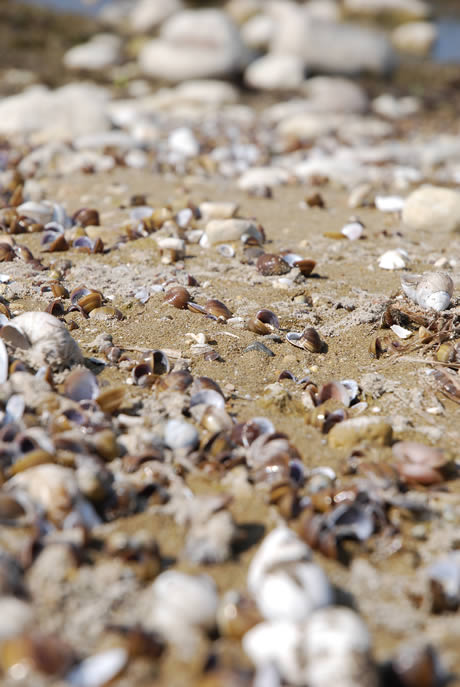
(348, 433)
(415, 38)
(432, 208)
(275, 72)
(101, 51)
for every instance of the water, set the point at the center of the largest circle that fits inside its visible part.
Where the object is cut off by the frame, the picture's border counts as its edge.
(76, 6)
(447, 48)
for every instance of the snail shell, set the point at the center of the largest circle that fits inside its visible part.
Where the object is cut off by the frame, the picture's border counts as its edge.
(431, 290)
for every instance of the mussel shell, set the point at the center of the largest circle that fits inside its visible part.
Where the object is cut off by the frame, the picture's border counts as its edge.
(217, 309)
(81, 385)
(264, 322)
(86, 217)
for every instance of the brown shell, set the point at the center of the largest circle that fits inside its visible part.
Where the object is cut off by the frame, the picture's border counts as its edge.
(217, 309)
(178, 296)
(86, 217)
(306, 266)
(6, 252)
(271, 265)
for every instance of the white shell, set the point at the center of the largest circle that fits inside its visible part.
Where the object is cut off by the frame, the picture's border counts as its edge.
(190, 600)
(45, 339)
(389, 203)
(284, 582)
(394, 259)
(430, 290)
(276, 643)
(402, 332)
(353, 230)
(99, 669)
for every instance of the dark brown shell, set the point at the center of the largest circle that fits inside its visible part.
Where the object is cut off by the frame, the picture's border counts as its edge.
(178, 296)
(271, 265)
(86, 217)
(217, 309)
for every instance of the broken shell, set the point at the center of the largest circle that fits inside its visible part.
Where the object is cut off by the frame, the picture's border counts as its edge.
(270, 265)
(394, 259)
(217, 309)
(309, 340)
(430, 290)
(178, 296)
(353, 230)
(44, 337)
(264, 322)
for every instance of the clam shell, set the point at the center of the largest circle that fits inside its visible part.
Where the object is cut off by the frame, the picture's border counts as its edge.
(432, 290)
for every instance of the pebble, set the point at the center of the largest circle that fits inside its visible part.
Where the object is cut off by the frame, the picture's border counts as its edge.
(348, 433)
(275, 72)
(224, 230)
(415, 38)
(147, 15)
(101, 51)
(432, 208)
(195, 44)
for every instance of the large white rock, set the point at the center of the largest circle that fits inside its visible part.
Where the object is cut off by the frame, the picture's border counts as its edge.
(432, 208)
(275, 72)
(257, 31)
(149, 14)
(415, 38)
(195, 44)
(415, 9)
(102, 51)
(327, 45)
(59, 115)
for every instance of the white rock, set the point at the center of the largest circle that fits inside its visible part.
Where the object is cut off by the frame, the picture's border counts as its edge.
(102, 51)
(59, 115)
(387, 105)
(432, 208)
(149, 14)
(183, 142)
(283, 580)
(275, 72)
(224, 230)
(257, 31)
(394, 259)
(415, 38)
(327, 45)
(195, 44)
(257, 177)
(310, 125)
(207, 91)
(389, 203)
(16, 616)
(409, 8)
(217, 210)
(335, 94)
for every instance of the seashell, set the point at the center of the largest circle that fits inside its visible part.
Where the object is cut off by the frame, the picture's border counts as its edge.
(389, 203)
(309, 340)
(419, 463)
(430, 290)
(179, 605)
(284, 581)
(178, 296)
(217, 309)
(142, 374)
(54, 242)
(417, 666)
(225, 230)
(30, 460)
(98, 670)
(3, 362)
(401, 332)
(88, 245)
(201, 383)
(270, 265)
(216, 419)
(253, 428)
(336, 648)
(353, 230)
(39, 212)
(206, 397)
(394, 259)
(179, 380)
(111, 399)
(6, 252)
(80, 385)
(305, 265)
(264, 322)
(86, 217)
(236, 615)
(106, 312)
(444, 583)
(179, 434)
(45, 338)
(336, 391)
